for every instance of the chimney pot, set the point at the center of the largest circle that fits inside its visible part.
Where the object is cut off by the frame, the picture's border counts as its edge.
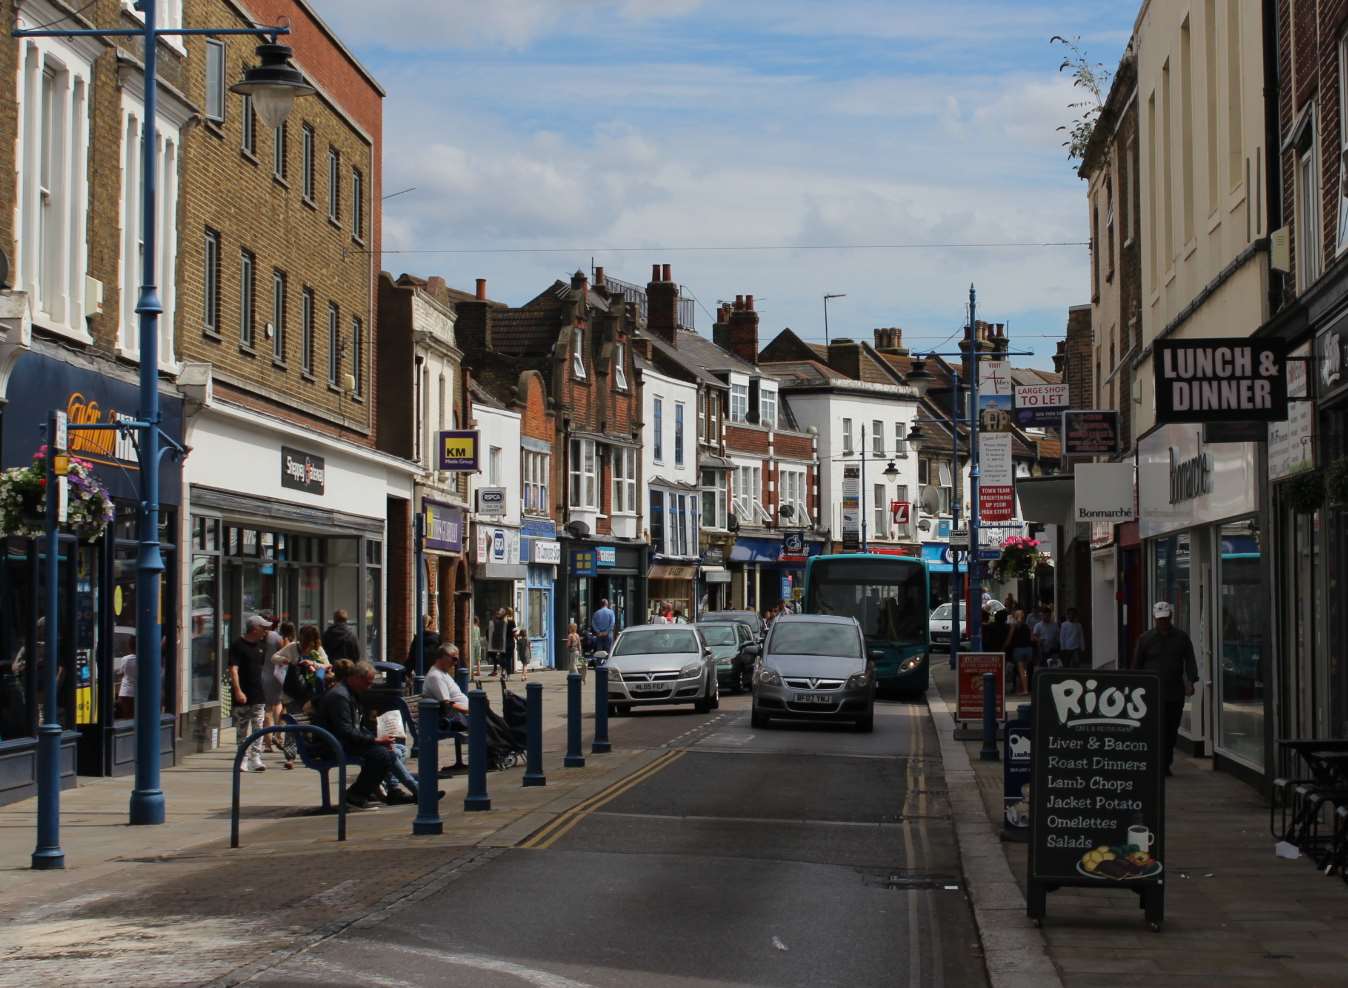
(655, 272)
(664, 273)
(749, 302)
(481, 289)
(599, 277)
(739, 301)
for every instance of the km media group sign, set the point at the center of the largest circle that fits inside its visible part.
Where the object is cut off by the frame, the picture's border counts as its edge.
(1235, 380)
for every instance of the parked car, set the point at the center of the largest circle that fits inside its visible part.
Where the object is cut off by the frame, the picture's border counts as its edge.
(729, 642)
(814, 667)
(749, 618)
(653, 664)
(941, 620)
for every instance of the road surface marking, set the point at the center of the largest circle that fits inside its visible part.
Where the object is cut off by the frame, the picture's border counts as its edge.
(779, 945)
(754, 821)
(563, 823)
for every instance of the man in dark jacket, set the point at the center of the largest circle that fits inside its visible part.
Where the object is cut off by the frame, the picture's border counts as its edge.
(432, 646)
(339, 640)
(339, 711)
(1168, 651)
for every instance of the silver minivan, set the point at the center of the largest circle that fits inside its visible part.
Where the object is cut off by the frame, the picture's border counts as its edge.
(814, 667)
(661, 664)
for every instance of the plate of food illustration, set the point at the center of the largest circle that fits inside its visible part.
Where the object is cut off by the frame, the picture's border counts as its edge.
(1118, 864)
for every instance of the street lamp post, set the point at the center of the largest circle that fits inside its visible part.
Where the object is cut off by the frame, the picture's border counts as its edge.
(826, 298)
(273, 85)
(975, 583)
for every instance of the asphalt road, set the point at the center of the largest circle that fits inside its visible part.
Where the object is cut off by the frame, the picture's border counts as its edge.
(787, 857)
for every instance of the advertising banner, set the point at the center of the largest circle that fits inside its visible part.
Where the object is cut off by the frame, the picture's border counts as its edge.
(1097, 799)
(972, 665)
(1235, 380)
(1017, 770)
(851, 508)
(443, 525)
(1090, 433)
(458, 451)
(1291, 443)
(1040, 406)
(996, 483)
(1104, 492)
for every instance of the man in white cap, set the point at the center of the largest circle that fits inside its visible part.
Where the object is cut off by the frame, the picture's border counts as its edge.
(1168, 651)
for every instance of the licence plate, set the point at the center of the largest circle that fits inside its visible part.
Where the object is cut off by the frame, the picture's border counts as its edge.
(821, 698)
(648, 687)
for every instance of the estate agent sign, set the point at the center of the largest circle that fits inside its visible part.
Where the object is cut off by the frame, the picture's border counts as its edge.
(1097, 799)
(972, 665)
(1236, 380)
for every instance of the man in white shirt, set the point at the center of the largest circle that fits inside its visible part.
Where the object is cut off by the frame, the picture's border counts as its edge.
(1073, 640)
(441, 685)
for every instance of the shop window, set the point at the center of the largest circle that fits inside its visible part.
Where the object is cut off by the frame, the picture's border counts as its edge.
(539, 605)
(204, 686)
(1243, 647)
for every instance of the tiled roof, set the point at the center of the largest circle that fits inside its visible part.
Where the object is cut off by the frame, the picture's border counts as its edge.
(669, 359)
(521, 331)
(703, 353)
(802, 372)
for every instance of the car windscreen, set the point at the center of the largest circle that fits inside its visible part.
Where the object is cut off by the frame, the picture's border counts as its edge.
(719, 634)
(656, 642)
(942, 613)
(814, 638)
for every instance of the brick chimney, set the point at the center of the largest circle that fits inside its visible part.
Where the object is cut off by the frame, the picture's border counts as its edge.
(844, 356)
(662, 305)
(890, 340)
(481, 293)
(736, 329)
(472, 328)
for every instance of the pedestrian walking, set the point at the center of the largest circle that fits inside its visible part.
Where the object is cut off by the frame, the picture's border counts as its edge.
(508, 668)
(1021, 647)
(601, 623)
(1072, 640)
(126, 686)
(1047, 640)
(475, 646)
(296, 665)
(339, 638)
(273, 680)
(245, 677)
(1167, 650)
(574, 651)
(522, 652)
(498, 641)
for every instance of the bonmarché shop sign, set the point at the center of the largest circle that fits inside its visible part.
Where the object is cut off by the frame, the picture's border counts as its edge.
(1097, 796)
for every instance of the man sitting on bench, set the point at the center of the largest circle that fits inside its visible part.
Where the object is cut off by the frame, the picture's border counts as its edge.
(340, 712)
(441, 685)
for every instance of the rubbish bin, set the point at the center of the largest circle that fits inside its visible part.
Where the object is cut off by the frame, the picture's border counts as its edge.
(393, 675)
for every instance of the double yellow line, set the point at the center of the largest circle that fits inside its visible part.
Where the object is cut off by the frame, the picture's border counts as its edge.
(548, 835)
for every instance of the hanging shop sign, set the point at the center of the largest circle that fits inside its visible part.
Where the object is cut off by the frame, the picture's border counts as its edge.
(996, 481)
(491, 501)
(995, 397)
(458, 451)
(582, 562)
(972, 666)
(1040, 406)
(1097, 799)
(1104, 492)
(851, 508)
(498, 545)
(1090, 433)
(901, 512)
(793, 544)
(994, 378)
(1234, 380)
(1291, 442)
(301, 471)
(443, 525)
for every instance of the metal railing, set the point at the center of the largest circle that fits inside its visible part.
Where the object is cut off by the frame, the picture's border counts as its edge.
(289, 729)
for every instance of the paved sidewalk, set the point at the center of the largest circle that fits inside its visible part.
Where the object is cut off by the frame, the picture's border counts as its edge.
(1235, 913)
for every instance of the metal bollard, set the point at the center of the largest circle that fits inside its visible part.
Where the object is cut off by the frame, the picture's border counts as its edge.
(477, 798)
(988, 753)
(461, 677)
(1025, 712)
(600, 744)
(428, 769)
(533, 771)
(573, 759)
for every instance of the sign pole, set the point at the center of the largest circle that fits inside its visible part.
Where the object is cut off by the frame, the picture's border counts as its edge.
(956, 492)
(48, 855)
(419, 536)
(975, 584)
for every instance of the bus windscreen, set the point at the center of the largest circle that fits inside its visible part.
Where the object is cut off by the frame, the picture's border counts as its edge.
(888, 600)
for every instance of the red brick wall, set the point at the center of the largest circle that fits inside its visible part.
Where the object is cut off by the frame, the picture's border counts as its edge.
(538, 422)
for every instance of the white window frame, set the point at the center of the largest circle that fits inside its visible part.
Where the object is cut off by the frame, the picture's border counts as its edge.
(900, 439)
(280, 152)
(578, 352)
(279, 291)
(1310, 240)
(210, 281)
(877, 438)
(216, 93)
(748, 490)
(658, 429)
(739, 399)
(535, 469)
(334, 345)
(620, 366)
(334, 185)
(248, 128)
(881, 519)
(792, 483)
(717, 488)
(847, 446)
(494, 466)
(679, 416)
(307, 330)
(582, 469)
(52, 213)
(767, 405)
(307, 142)
(624, 459)
(247, 298)
(358, 356)
(357, 204)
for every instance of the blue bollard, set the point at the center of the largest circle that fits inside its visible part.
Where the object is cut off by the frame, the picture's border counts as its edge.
(428, 757)
(573, 759)
(533, 772)
(461, 677)
(988, 753)
(600, 743)
(477, 798)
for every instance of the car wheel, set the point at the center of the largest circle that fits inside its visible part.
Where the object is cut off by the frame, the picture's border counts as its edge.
(757, 720)
(866, 724)
(613, 710)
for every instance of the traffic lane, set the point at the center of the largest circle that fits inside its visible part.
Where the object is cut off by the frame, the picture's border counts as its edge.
(901, 729)
(600, 919)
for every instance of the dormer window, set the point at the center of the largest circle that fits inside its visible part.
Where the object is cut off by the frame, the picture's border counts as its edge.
(767, 405)
(739, 401)
(578, 353)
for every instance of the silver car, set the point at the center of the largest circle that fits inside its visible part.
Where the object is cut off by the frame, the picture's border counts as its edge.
(814, 667)
(653, 664)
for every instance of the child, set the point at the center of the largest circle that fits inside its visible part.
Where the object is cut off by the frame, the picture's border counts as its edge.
(573, 648)
(522, 652)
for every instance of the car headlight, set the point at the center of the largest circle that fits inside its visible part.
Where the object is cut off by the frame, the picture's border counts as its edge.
(614, 674)
(857, 680)
(690, 670)
(769, 677)
(910, 664)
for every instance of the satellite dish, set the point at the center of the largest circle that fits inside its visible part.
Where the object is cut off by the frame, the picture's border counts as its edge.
(786, 511)
(577, 529)
(732, 523)
(930, 499)
(924, 525)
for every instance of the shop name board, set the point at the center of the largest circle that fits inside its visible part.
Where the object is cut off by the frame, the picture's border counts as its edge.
(458, 450)
(1220, 380)
(443, 526)
(1040, 405)
(605, 556)
(302, 471)
(547, 553)
(491, 501)
(1090, 433)
(1190, 478)
(1104, 492)
(1097, 798)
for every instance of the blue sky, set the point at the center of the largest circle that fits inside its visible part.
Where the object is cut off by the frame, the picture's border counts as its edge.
(648, 125)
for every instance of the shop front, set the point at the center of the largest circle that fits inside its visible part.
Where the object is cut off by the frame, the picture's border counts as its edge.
(947, 570)
(283, 523)
(713, 577)
(445, 582)
(796, 552)
(1203, 541)
(499, 577)
(97, 580)
(543, 554)
(755, 583)
(673, 581)
(594, 571)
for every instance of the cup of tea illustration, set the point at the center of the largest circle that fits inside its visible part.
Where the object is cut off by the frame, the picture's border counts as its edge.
(1140, 838)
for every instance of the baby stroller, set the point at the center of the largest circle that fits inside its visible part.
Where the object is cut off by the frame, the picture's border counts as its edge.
(506, 735)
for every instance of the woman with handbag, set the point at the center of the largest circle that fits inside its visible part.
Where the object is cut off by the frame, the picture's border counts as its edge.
(302, 665)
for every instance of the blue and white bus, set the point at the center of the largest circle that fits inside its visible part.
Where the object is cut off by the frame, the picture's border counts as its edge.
(888, 595)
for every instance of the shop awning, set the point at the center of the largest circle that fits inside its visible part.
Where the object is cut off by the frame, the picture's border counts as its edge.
(1049, 500)
(755, 551)
(671, 571)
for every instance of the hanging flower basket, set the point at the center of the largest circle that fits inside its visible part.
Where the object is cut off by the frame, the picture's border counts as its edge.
(1305, 492)
(1336, 482)
(1019, 559)
(23, 500)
